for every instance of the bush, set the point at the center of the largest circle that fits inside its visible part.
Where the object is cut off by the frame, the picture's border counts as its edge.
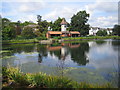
(19, 37)
(41, 38)
(28, 33)
(44, 81)
(102, 33)
(57, 37)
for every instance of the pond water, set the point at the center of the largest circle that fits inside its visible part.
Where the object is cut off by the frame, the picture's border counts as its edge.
(92, 61)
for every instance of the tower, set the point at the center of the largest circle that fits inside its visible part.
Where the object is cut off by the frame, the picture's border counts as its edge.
(63, 25)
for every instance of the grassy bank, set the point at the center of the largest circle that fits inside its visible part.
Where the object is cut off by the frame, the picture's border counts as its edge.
(92, 38)
(13, 77)
(20, 41)
(24, 41)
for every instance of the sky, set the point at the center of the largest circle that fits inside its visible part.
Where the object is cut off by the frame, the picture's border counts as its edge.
(103, 13)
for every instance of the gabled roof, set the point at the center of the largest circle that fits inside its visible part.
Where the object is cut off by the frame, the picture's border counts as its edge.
(54, 32)
(74, 32)
(63, 21)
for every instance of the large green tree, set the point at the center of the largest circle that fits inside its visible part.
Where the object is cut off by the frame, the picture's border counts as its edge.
(79, 23)
(42, 26)
(56, 25)
(116, 30)
(18, 28)
(8, 29)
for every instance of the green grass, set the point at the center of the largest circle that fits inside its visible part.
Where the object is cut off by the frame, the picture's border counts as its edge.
(15, 41)
(13, 77)
(92, 37)
(19, 41)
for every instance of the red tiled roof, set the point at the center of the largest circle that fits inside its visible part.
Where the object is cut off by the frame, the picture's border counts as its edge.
(54, 32)
(74, 32)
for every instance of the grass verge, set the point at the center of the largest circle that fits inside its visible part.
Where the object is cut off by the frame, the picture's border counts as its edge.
(20, 41)
(92, 37)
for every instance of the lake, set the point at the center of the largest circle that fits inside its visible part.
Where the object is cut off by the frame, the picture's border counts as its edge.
(93, 61)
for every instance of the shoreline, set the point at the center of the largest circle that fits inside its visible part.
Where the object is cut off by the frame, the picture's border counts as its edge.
(50, 41)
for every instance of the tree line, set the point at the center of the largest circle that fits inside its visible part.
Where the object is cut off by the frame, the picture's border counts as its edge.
(19, 30)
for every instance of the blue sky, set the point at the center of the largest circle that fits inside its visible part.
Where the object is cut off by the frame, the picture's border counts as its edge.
(102, 13)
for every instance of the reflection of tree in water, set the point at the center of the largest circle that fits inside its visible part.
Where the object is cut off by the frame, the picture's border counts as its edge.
(116, 44)
(100, 42)
(116, 47)
(78, 54)
(42, 50)
(18, 48)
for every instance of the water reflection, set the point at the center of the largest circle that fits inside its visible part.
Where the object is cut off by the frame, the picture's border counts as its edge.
(75, 50)
(73, 54)
(78, 54)
(99, 57)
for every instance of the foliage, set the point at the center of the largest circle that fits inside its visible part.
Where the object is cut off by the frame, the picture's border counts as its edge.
(42, 80)
(26, 23)
(27, 33)
(19, 37)
(78, 23)
(42, 26)
(57, 37)
(8, 29)
(18, 28)
(116, 30)
(56, 25)
(102, 33)
(41, 38)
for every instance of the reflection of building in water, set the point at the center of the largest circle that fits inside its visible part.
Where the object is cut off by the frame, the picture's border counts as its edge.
(62, 51)
(54, 48)
(91, 43)
(76, 45)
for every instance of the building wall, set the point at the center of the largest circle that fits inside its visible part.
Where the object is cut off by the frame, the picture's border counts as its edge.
(63, 27)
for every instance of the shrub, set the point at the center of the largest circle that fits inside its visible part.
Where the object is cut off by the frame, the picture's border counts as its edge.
(19, 37)
(45, 81)
(41, 38)
(57, 37)
(28, 33)
(102, 33)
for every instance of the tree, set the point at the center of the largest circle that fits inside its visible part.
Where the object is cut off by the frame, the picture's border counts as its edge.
(56, 25)
(5, 22)
(116, 30)
(42, 26)
(102, 33)
(78, 23)
(28, 33)
(8, 29)
(18, 28)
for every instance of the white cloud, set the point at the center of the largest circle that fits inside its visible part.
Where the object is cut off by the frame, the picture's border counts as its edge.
(60, 12)
(28, 18)
(103, 6)
(103, 21)
(31, 7)
(26, 10)
(59, 0)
